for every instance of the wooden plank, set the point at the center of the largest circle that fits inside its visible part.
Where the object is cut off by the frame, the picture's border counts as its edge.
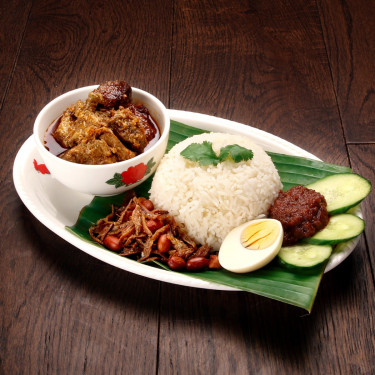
(13, 19)
(346, 325)
(349, 32)
(62, 311)
(262, 64)
(363, 160)
(67, 313)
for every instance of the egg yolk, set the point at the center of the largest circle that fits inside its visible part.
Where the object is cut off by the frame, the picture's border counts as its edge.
(260, 235)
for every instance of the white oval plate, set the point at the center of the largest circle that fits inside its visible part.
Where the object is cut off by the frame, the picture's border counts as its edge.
(55, 206)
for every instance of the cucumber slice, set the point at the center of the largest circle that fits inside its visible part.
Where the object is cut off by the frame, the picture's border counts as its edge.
(340, 228)
(342, 191)
(304, 256)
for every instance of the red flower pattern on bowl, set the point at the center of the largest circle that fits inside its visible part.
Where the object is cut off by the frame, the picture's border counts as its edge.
(134, 174)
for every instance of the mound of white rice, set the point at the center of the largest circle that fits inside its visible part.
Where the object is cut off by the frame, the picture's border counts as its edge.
(212, 200)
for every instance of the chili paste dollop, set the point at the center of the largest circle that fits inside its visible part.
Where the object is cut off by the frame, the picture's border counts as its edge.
(301, 211)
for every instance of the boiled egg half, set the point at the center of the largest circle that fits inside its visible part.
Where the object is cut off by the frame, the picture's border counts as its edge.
(251, 245)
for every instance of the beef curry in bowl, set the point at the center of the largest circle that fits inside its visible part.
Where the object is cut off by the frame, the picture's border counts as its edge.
(104, 139)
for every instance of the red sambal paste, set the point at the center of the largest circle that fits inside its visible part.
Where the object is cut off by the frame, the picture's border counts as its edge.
(301, 211)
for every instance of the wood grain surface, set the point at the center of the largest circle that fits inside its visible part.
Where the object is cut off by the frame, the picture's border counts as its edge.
(349, 35)
(302, 70)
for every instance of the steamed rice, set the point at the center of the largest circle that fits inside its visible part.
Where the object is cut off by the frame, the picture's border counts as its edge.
(212, 200)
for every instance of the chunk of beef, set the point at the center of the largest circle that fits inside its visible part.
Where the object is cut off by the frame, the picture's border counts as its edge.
(144, 119)
(128, 129)
(77, 122)
(122, 153)
(95, 151)
(111, 94)
(103, 147)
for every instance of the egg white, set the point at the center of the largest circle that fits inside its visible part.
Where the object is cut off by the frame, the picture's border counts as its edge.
(234, 257)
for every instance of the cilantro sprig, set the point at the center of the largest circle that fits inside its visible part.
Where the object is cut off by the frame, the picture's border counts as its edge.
(204, 154)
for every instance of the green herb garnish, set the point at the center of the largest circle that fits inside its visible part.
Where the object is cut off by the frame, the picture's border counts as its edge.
(202, 153)
(205, 155)
(236, 153)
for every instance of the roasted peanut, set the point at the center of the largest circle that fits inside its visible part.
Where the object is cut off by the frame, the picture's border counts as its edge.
(146, 203)
(176, 263)
(164, 244)
(112, 243)
(197, 264)
(154, 225)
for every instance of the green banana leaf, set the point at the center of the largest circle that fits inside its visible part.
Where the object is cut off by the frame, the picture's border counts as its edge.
(272, 281)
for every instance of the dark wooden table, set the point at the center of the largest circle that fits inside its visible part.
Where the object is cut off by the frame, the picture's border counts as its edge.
(302, 70)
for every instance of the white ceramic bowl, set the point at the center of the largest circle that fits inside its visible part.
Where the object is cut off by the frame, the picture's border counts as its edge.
(108, 179)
